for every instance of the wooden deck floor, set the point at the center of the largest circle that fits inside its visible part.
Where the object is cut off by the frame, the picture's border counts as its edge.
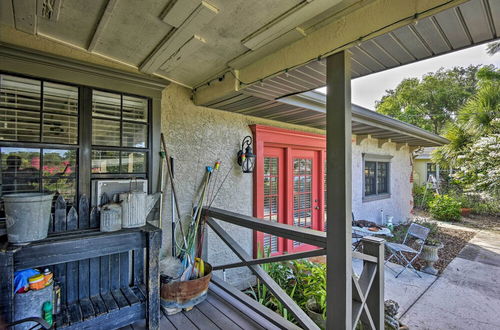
(222, 310)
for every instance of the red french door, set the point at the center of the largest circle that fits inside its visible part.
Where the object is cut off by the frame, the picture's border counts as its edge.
(273, 206)
(288, 185)
(303, 198)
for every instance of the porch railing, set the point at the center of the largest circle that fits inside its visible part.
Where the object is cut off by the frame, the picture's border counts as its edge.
(367, 289)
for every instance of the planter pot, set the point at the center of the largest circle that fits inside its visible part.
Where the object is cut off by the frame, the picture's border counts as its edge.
(465, 212)
(179, 295)
(317, 318)
(430, 256)
(28, 216)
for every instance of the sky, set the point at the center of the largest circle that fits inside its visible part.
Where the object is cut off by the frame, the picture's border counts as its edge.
(366, 90)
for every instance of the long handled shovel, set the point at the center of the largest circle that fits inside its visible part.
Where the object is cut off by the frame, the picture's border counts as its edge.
(172, 184)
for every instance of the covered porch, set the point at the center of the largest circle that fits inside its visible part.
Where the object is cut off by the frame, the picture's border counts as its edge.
(126, 72)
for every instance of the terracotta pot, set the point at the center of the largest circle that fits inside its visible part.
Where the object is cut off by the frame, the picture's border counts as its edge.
(179, 295)
(430, 256)
(465, 212)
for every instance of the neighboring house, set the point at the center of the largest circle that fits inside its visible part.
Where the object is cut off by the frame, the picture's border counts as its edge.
(424, 168)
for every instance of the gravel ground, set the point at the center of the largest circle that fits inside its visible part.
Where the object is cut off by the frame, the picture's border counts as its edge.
(453, 238)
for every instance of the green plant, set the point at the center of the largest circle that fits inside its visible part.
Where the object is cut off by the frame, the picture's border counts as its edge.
(301, 279)
(315, 287)
(445, 208)
(422, 197)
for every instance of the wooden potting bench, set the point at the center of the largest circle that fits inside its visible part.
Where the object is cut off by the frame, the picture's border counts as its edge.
(108, 280)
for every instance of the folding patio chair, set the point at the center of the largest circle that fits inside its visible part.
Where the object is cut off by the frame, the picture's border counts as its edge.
(356, 236)
(415, 231)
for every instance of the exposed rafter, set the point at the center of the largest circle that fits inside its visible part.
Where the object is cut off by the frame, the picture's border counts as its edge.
(106, 16)
(179, 37)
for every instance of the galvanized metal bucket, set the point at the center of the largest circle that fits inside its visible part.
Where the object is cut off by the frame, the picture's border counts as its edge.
(179, 295)
(28, 216)
(111, 217)
(30, 304)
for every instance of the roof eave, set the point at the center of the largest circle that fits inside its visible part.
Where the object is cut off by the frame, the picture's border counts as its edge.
(317, 102)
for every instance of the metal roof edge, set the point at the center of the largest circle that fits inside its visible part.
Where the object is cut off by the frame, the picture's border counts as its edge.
(316, 101)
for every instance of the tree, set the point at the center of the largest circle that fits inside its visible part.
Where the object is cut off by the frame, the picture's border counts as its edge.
(474, 148)
(433, 101)
(493, 48)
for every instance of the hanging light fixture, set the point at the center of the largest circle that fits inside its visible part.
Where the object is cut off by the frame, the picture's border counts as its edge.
(246, 157)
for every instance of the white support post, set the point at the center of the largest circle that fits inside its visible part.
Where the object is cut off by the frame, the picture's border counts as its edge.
(339, 237)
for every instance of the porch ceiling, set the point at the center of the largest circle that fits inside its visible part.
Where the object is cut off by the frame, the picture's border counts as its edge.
(193, 41)
(469, 24)
(187, 41)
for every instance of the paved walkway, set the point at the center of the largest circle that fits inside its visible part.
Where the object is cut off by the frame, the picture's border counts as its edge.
(405, 289)
(467, 294)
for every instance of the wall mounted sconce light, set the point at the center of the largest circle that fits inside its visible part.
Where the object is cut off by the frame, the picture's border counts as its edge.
(246, 157)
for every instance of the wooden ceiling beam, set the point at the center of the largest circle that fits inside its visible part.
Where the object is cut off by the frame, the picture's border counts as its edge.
(25, 17)
(178, 37)
(101, 26)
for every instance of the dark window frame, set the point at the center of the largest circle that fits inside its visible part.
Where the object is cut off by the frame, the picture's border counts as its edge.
(376, 159)
(84, 146)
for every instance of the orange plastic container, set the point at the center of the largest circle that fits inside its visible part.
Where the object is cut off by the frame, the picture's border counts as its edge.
(37, 282)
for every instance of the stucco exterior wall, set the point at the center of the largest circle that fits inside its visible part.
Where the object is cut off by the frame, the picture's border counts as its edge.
(399, 204)
(198, 136)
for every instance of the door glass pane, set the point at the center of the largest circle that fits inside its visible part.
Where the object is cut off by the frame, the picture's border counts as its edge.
(134, 162)
(20, 169)
(105, 132)
(302, 194)
(135, 135)
(135, 108)
(105, 161)
(271, 200)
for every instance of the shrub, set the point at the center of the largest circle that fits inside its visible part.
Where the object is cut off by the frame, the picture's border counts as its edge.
(301, 279)
(422, 197)
(445, 208)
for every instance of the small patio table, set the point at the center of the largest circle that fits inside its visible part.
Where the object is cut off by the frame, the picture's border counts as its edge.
(363, 231)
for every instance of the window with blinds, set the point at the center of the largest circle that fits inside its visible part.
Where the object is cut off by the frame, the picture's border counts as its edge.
(37, 111)
(120, 122)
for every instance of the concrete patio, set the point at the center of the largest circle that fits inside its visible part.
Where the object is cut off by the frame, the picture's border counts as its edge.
(406, 289)
(467, 294)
